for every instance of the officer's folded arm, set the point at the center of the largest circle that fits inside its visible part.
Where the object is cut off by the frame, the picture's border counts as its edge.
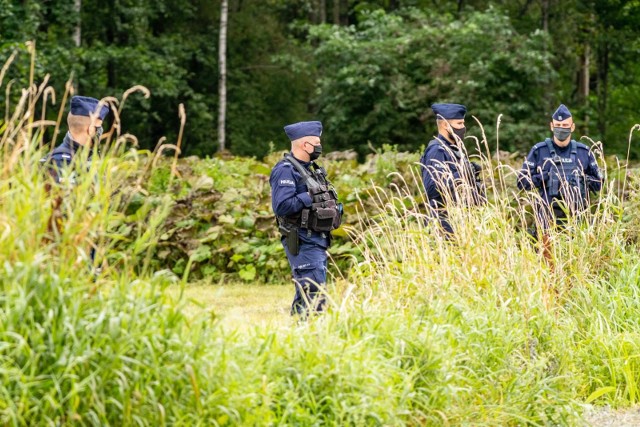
(285, 200)
(540, 178)
(305, 198)
(595, 183)
(529, 181)
(292, 205)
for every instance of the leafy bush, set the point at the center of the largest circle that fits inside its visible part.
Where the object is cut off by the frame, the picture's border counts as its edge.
(221, 222)
(380, 77)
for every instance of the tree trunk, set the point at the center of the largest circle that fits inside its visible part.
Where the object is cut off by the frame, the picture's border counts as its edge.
(77, 32)
(222, 83)
(603, 86)
(545, 15)
(583, 81)
(77, 35)
(336, 12)
(322, 11)
(112, 39)
(318, 12)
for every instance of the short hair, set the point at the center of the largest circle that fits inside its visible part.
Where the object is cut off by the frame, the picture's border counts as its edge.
(301, 140)
(78, 123)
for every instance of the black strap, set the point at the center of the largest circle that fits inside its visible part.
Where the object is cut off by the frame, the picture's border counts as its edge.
(309, 180)
(457, 153)
(304, 218)
(552, 151)
(437, 141)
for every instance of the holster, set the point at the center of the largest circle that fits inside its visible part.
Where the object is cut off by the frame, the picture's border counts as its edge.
(290, 233)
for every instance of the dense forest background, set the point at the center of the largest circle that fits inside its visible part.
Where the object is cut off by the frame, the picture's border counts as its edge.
(368, 69)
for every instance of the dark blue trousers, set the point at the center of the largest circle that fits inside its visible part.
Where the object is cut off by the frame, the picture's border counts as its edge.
(309, 269)
(437, 213)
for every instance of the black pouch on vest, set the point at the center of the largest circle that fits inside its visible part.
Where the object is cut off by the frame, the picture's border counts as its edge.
(322, 218)
(553, 184)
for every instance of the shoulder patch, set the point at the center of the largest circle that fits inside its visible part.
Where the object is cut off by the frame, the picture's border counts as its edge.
(287, 182)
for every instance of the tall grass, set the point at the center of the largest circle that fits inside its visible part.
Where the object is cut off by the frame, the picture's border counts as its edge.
(475, 330)
(532, 340)
(77, 347)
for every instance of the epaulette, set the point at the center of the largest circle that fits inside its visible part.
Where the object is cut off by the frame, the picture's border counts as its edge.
(437, 143)
(582, 145)
(62, 152)
(61, 156)
(540, 145)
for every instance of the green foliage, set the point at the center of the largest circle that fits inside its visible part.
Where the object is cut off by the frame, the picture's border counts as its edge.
(78, 346)
(421, 331)
(371, 77)
(171, 48)
(379, 78)
(221, 222)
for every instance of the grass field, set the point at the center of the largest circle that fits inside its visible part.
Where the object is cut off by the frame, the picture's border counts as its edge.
(240, 306)
(423, 329)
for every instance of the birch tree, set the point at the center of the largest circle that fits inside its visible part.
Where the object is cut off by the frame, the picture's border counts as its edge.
(222, 83)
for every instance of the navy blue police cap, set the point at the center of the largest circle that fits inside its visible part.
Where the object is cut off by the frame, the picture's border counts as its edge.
(449, 111)
(562, 113)
(86, 106)
(301, 129)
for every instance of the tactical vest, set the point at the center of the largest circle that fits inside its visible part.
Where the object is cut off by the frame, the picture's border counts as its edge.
(325, 213)
(566, 178)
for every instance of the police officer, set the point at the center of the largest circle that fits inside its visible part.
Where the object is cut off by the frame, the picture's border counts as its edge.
(85, 126)
(562, 170)
(447, 174)
(306, 209)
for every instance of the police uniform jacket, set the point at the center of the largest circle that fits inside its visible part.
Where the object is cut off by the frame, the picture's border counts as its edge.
(539, 163)
(441, 170)
(289, 196)
(62, 156)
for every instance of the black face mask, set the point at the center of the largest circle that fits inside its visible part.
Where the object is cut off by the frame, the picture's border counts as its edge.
(460, 133)
(317, 150)
(561, 134)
